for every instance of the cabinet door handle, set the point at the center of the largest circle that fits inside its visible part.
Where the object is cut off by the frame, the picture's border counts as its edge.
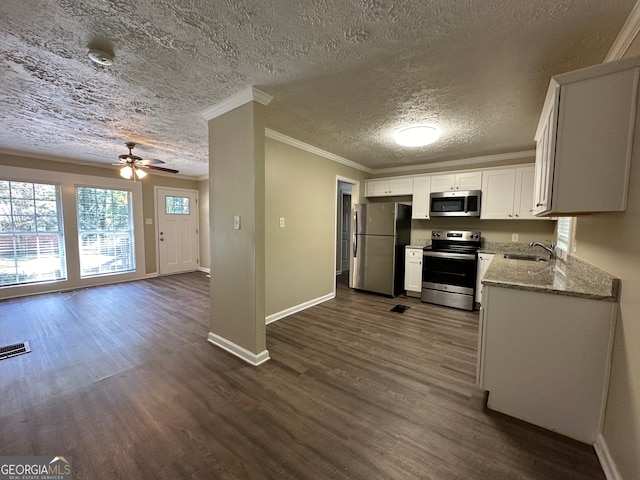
(517, 215)
(539, 204)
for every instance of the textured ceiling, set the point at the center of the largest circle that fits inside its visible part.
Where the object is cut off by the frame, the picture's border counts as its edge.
(344, 74)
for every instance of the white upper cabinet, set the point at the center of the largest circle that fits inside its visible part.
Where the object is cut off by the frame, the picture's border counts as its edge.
(523, 198)
(507, 193)
(470, 180)
(387, 187)
(421, 195)
(585, 140)
(498, 190)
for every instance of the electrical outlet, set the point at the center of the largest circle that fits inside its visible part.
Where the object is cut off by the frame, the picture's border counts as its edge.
(281, 222)
(514, 237)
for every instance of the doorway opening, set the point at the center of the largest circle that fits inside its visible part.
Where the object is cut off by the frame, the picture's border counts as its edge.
(347, 192)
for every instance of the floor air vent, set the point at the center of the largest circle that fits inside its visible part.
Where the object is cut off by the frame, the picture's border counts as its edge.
(400, 308)
(13, 350)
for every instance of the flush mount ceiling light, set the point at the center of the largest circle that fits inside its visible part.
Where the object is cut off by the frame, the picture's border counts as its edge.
(101, 57)
(416, 136)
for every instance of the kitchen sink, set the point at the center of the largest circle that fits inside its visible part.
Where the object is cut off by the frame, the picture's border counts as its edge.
(530, 257)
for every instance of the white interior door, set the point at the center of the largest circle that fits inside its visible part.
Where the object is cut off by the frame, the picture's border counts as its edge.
(177, 221)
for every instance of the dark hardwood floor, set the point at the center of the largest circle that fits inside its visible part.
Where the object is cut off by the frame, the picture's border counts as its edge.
(122, 379)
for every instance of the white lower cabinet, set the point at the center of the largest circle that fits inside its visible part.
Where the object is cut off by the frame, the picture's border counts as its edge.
(484, 260)
(545, 358)
(413, 271)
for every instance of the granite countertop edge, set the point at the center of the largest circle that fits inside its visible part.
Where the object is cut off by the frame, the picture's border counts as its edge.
(574, 277)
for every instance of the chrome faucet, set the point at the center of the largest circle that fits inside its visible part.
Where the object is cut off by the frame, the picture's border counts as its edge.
(551, 249)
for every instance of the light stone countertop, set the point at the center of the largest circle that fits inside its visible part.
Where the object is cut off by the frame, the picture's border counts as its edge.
(574, 277)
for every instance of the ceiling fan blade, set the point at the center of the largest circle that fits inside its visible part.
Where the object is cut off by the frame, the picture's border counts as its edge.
(151, 161)
(162, 169)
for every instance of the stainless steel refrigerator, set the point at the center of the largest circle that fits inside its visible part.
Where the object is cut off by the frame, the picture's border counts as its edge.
(380, 231)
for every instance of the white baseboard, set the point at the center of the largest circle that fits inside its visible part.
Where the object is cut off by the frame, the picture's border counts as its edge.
(205, 270)
(240, 352)
(606, 460)
(298, 308)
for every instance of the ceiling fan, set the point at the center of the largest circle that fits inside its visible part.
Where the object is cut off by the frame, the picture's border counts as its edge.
(132, 165)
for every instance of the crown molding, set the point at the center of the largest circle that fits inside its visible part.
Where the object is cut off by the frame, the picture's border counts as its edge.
(627, 35)
(85, 163)
(459, 163)
(249, 94)
(315, 150)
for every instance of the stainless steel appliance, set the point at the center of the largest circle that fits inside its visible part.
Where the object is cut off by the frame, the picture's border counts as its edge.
(463, 203)
(449, 268)
(380, 233)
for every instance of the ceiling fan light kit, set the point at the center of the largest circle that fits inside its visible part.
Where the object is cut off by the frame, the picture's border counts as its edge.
(133, 165)
(126, 172)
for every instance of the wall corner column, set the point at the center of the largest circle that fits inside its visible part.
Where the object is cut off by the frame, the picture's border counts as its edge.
(237, 222)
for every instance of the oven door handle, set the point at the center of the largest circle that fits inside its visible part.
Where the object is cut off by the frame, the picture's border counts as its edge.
(453, 256)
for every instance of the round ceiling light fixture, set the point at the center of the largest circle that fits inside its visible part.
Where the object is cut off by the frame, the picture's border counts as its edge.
(416, 136)
(100, 57)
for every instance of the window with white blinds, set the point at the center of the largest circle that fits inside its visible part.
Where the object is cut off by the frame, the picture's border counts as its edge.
(32, 247)
(105, 231)
(564, 237)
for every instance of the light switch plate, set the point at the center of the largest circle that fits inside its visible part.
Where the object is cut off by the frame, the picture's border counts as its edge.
(281, 222)
(236, 222)
(148, 221)
(514, 237)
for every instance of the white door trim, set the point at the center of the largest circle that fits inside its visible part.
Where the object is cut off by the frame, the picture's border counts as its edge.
(156, 214)
(355, 197)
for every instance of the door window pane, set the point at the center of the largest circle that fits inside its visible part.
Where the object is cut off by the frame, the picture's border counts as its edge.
(31, 233)
(105, 228)
(176, 205)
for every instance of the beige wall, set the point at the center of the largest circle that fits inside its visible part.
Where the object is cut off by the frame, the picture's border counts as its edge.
(612, 242)
(300, 262)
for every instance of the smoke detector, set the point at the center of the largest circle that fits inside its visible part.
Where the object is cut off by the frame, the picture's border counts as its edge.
(100, 57)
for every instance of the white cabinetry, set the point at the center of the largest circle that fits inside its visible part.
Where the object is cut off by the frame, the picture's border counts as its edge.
(470, 180)
(386, 187)
(421, 192)
(545, 358)
(507, 193)
(413, 271)
(585, 139)
(484, 260)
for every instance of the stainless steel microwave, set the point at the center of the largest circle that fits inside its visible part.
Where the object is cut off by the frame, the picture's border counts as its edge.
(457, 203)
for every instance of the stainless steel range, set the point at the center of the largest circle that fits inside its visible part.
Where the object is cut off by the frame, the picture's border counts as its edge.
(449, 268)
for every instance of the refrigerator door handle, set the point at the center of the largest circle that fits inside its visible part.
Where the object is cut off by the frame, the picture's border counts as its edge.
(355, 234)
